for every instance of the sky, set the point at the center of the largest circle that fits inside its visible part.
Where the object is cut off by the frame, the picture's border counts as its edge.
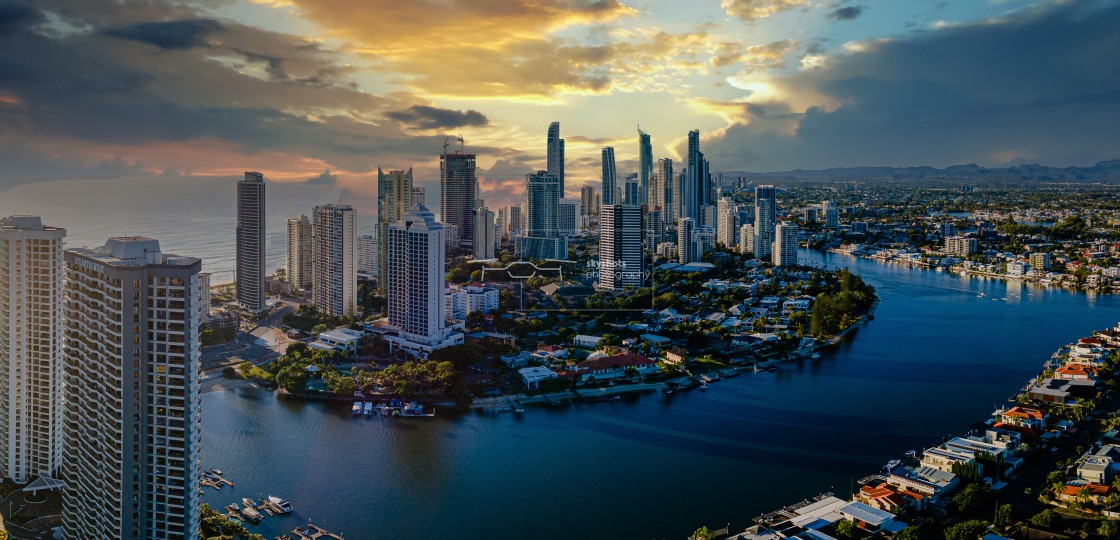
(325, 91)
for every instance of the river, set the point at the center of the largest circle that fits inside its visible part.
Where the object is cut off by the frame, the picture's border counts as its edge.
(936, 358)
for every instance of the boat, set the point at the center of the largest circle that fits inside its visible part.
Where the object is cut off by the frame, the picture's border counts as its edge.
(892, 464)
(816, 355)
(216, 471)
(414, 409)
(703, 386)
(284, 506)
(357, 409)
(368, 408)
(911, 453)
(251, 514)
(248, 503)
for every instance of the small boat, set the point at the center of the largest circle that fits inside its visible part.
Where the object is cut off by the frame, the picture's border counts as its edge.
(357, 409)
(911, 454)
(892, 464)
(702, 387)
(368, 408)
(284, 506)
(216, 471)
(414, 409)
(248, 503)
(816, 355)
(252, 514)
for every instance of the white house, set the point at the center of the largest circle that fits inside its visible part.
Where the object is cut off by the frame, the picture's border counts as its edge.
(532, 376)
(586, 342)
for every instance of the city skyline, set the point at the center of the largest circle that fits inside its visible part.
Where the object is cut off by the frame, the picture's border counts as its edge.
(770, 85)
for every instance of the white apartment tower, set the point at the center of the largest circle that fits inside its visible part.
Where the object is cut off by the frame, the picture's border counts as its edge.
(785, 244)
(30, 348)
(299, 252)
(831, 214)
(250, 242)
(131, 360)
(484, 237)
(621, 257)
(416, 283)
(746, 238)
(334, 289)
(689, 248)
(395, 194)
(367, 256)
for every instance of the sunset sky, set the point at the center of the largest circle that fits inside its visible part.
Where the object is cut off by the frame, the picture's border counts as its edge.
(294, 88)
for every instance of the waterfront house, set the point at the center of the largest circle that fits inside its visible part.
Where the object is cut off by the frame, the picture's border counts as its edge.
(884, 496)
(1090, 492)
(1024, 416)
(944, 459)
(1061, 391)
(870, 519)
(613, 367)
(676, 355)
(1100, 467)
(1076, 372)
(928, 481)
(532, 376)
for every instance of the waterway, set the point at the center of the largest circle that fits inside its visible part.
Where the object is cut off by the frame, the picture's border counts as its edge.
(942, 351)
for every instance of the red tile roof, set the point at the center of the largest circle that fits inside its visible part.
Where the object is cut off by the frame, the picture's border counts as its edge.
(1023, 412)
(623, 360)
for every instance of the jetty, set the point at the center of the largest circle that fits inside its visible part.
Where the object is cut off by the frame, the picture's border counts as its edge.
(314, 532)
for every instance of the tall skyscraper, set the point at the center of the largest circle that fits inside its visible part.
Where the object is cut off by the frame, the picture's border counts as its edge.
(250, 242)
(568, 217)
(621, 257)
(696, 187)
(631, 191)
(458, 186)
(542, 238)
(610, 176)
(30, 348)
(367, 256)
(484, 239)
(131, 360)
(746, 238)
(645, 163)
(660, 192)
(727, 227)
(394, 197)
(516, 220)
(785, 244)
(419, 195)
(587, 201)
(334, 255)
(689, 248)
(416, 283)
(556, 154)
(299, 252)
(765, 215)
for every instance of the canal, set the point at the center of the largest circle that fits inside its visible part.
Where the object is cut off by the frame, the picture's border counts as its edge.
(941, 352)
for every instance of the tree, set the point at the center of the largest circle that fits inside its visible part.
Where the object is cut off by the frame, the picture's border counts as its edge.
(972, 529)
(1108, 528)
(845, 529)
(702, 534)
(1046, 519)
(909, 533)
(973, 496)
(1004, 515)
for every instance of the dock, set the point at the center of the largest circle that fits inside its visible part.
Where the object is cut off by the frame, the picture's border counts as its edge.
(213, 478)
(314, 532)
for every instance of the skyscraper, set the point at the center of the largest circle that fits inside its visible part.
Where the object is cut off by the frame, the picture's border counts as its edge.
(419, 195)
(394, 197)
(415, 290)
(747, 238)
(568, 217)
(542, 239)
(250, 242)
(660, 192)
(484, 234)
(556, 154)
(765, 215)
(645, 163)
(727, 218)
(458, 186)
(621, 257)
(696, 187)
(299, 252)
(631, 191)
(610, 176)
(831, 214)
(334, 289)
(367, 256)
(587, 202)
(30, 348)
(785, 244)
(131, 358)
(688, 247)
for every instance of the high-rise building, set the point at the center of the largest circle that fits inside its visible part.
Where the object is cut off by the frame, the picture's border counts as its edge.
(458, 186)
(1040, 261)
(696, 187)
(131, 358)
(660, 190)
(654, 226)
(631, 191)
(961, 246)
(394, 198)
(568, 218)
(727, 226)
(831, 214)
(31, 389)
(367, 256)
(334, 289)
(589, 205)
(250, 242)
(785, 244)
(415, 290)
(484, 234)
(645, 164)
(543, 238)
(765, 216)
(689, 248)
(419, 195)
(203, 296)
(610, 176)
(555, 157)
(947, 229)
(746, 238)
(621, 257)
(299, 252)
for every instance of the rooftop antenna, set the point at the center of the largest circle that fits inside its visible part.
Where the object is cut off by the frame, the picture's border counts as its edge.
(445, 143)
(462, 145)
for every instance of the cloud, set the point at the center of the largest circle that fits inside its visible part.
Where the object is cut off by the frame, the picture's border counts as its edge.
(1031, 84)
(755, 57)
(170, 35)
(15, 17)
(324, 179)
(426, 117)
(750, 10)
(846, 13)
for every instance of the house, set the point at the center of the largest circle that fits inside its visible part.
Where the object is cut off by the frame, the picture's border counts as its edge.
(770, 303)
(676, 355)
(1024, 416)
(884, 496)
(532, 376)
(553, 351)
(1100, 467)
(1076, 372)
(870, 519)
(516, 360)
(567, 289)
(655, 340)
(1091, 492)
(1060, 390)
(801, 303)
(928, 481)
(586, 342)
(613, 367)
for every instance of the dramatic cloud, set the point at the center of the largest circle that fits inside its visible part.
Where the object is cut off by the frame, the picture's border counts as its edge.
(168, 35)
(14, 17)
(749, 10)
(1026, 85)
(755, 57)
(428, 117)
(846, 13)
(324, 179)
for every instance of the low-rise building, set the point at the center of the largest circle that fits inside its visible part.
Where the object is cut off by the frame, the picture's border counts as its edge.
(1060, 391)
(586, 342)
(1024, 416)
(613, 367)
(343, 340)
(532, 376)
(870, 519)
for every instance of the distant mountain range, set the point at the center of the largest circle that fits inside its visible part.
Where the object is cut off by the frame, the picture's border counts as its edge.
(1102, 171)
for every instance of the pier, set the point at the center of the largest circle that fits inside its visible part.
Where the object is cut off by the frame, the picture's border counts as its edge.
(314, 532)
(213, 478)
